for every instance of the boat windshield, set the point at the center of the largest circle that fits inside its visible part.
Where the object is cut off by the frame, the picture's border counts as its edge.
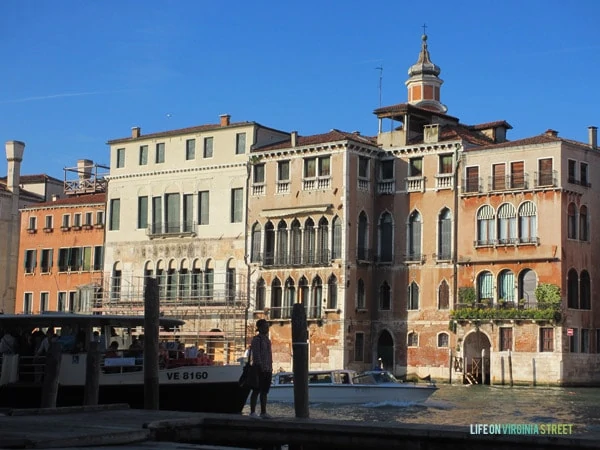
(376, 377)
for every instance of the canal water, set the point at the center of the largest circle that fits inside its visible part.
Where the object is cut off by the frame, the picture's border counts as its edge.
(465, 405)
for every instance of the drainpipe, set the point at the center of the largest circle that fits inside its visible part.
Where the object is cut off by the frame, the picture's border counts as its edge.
(457, 158)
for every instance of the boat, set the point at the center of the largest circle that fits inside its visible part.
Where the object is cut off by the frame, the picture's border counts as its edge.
(351, 387)
(186, 382)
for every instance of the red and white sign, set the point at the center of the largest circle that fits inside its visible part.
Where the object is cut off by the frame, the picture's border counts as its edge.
(569, 331)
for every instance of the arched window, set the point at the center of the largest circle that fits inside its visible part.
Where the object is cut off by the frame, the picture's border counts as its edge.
(507, 224)
(527, 285)
(296, 243)
(255, 255)
(413, 339)
(485, 286)
(260, 296)
(332, 292)
(444, 295)
(414, 237)
(172, 280)
(230, 281)
(303, 291)
(442, 340)
(572, 289)
(360, 295)
(276, 299)
(386, 238)
(583, 223)
(323, 242)
(209, 280)
(413, 296)
(316, 298)
(444, 235)
(506, 286)
(384, 297)
(289, 299)
(363, 239)
(184, 280)
(528, 223)
(336, 238)
(309, 241)
(585, 293)
(115, 287)
(572, 221)
(486, 233)
(269, 256)
(282, 244)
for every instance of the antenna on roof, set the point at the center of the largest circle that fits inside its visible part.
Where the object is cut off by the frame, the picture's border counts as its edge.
(380, 68)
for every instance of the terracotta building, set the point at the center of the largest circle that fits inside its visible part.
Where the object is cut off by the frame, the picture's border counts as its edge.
(61, 246)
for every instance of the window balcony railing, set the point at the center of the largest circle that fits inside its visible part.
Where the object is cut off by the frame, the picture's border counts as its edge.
(386, 187)
(312, 258)
(187, 228)
(258, 189)
(415, 184)
(509, 182)
(363, 185)
(442, 256)
(312, 184)
(364, 254)
(528, 240)
(283, 187)
(280, 312)
(585, 183)
(384, 259)
(545, 178)
(414, 257)
(472, 185)
(444, 181)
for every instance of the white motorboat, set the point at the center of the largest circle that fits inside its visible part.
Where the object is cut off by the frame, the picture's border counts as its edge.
(348, 386)
(185, 384)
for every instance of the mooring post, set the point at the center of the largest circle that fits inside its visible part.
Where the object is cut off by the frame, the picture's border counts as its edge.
(92, 374)
(51, 373)
(151, 324)
(450, 366)
(300, 359)
(483, 366)
(510, 368)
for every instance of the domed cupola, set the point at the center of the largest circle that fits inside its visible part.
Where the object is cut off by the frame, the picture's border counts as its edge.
(424, 83)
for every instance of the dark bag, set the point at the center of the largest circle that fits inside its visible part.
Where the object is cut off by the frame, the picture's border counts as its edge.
(249, 378)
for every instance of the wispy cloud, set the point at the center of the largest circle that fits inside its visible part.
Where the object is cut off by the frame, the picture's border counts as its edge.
(63, 95)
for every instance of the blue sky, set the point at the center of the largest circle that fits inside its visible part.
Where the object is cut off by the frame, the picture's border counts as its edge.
(76, 74)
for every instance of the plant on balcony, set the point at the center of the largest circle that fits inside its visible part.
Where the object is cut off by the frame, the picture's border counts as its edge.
(548, 295)
(467, 294)
(549, 314)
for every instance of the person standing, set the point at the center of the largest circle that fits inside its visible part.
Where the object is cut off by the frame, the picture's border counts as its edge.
(262, 360)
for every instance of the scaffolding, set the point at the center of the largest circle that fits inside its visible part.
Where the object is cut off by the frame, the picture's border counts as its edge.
(215, 313)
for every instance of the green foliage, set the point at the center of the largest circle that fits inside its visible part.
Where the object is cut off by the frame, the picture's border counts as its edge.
(467, 294)
(548, 295)
(549, 314)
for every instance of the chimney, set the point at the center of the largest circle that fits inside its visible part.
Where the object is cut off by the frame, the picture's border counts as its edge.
(14, 157)
(294, 136)
(225, 119)
(54, 197)
(136, 132)
(550, 132)
(593, 137)
(84, 169)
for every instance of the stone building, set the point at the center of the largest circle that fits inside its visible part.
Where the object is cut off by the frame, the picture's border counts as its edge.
(61, 246)
(177, 212)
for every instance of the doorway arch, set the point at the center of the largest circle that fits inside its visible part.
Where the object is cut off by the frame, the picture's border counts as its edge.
(474, 366)
(385, 351)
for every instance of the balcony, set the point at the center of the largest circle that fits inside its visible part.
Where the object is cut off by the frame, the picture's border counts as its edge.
(516, 181)
(386, 187)
(283, 187)
(415, 184)
(508, 241)
(365, 255)
(585, 183)
(444, 181)
(472, 185)
(166, 229)
(303, 259)
(545, 179)
(258, 189)
(442, 257)
(414, 258)
(363, 185)
(484, 309)
(315, 184)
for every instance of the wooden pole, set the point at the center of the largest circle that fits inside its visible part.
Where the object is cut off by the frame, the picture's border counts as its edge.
(51, 373)
(92, 374)
(510, 368)
(483, 366)
(151, 324)
(300, 359)
(450, 367)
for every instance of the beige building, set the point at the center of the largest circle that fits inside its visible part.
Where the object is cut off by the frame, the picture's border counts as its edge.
(17, 191)
(176, 210)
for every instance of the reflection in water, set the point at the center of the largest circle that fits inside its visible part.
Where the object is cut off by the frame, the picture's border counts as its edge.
(463, 405)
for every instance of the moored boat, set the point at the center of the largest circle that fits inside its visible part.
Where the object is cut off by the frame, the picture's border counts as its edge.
(186, 382)
(348, 386)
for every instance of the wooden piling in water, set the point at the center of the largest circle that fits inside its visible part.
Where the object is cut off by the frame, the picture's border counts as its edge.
(51, 373)
(510, 374)
(450, 367)
(300, 359)
(92, 374)
(151, 325)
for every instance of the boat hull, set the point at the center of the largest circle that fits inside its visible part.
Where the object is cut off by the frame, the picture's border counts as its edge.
(355, 394)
